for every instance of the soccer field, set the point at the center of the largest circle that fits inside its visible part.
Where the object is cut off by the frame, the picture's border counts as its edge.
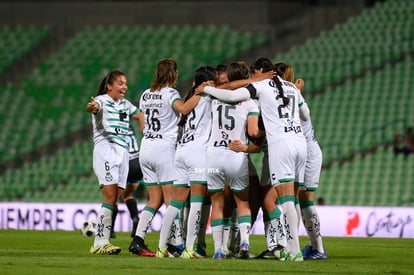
(67, 252)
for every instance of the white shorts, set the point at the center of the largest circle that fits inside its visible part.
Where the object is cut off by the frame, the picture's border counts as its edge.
(111, 163)
(287, 160)
(190, 166)
(313, 167)
(227, 166)
(157, 163)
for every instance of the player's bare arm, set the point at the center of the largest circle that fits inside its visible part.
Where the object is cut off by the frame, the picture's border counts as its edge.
(92, 106)
(186, 107)
(238, 146)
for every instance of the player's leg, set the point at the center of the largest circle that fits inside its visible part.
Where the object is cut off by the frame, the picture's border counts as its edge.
(287, 201)
(197, 197)
(201, 236)
(114, 214)
(156, 199)
(311, 222)
(310, 216)
(230, 229)
(216, 181)
(133, 181)
(273, 219)
(173, 210)
(217, 204)
(131, 204)
(297, 204)
(101, 243)
(244, 219)
(175, 240)
(289, 159)
(110, 163)
(254, 191)
(275, 231)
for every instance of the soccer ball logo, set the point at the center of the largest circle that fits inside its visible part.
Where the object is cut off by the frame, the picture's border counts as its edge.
(88, 228)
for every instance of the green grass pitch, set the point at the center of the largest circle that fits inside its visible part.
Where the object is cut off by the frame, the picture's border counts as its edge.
(67, 252)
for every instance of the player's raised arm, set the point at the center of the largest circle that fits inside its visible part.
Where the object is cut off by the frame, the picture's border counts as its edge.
(92, 106)
(300, 84)
(231, 96)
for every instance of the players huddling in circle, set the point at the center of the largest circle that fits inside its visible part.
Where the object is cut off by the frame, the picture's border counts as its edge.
(194, 158)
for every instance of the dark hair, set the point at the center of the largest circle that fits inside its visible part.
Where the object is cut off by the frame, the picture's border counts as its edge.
(202, 74)
(266, 65)
(109, 79)
(165, 75)
(285, 71)
(221, 68)
(237, 71)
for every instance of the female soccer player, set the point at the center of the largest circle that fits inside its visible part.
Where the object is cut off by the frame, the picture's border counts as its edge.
(224, 165)
(190, 163)
(310, 217)
(279, 102)
(110, 121)
(160, 107)
(133, 180)
(315, 250)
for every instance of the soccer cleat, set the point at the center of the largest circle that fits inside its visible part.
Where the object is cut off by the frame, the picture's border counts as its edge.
(106, 249)
(307, 250)
(280, 253)
(297, 258)
(267, 254)
(315, 255)
(138, 247)
(175, 250)
(201, 249)
(244, 251)
(163, 253)
(219, 255)
(190, 254)
(273, 254)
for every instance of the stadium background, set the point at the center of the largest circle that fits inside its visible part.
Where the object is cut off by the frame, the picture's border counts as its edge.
(356, 58)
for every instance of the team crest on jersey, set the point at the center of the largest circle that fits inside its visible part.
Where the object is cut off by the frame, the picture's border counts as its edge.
(109, 177)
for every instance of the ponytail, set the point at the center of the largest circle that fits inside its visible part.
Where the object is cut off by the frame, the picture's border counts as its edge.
(281, 93)
(266, 65)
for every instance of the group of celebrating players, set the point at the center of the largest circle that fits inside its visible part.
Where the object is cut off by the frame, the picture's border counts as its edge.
(194, 158)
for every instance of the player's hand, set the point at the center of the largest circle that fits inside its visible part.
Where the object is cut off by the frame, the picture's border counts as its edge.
(300, 84)
(238, 146)
(263, 76)
(92, 106)
(200, 89)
